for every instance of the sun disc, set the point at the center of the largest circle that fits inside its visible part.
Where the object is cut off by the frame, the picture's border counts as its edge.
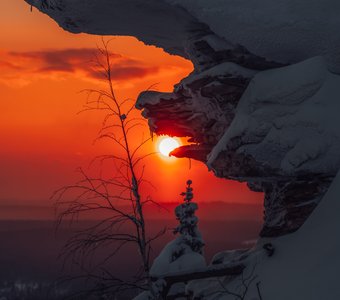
(167, 145)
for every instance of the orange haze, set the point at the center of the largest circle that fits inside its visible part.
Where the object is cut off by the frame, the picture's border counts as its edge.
(43, 139)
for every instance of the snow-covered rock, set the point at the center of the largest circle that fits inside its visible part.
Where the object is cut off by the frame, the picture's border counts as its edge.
(287, 120)
(284, 30)
(288, 31)
(202, 105)
(304, 265)
(308, 261)
(276, 129)
(284, 139)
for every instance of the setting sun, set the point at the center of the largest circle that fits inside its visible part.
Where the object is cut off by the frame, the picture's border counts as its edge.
(166, 145)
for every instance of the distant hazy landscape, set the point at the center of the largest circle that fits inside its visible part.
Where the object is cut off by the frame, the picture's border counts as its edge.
(30, 248)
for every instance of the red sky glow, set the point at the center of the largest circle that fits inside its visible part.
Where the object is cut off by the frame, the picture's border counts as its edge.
(44, 139)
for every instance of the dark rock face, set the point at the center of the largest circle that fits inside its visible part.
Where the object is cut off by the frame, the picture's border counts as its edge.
(179, 114)
(288, 204)
(202, 107)
(288, 201)
(204, 56)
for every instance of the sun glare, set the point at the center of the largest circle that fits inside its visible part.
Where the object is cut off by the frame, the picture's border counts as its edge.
(166, 145)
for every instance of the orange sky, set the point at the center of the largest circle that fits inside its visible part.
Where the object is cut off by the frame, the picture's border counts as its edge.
(43, 139)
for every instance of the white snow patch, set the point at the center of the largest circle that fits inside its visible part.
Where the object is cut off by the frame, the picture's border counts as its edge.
(307, 263)
(152, 98)
(176, 257)
(281, 30)
(292, 112)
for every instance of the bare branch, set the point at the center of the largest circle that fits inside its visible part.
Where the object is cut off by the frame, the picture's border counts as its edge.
(116, 197)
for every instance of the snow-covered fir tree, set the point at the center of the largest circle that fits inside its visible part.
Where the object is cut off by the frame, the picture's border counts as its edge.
(188, 228)
(184, 253)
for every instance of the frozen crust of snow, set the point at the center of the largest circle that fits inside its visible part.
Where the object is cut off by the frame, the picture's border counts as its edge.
(288, 118)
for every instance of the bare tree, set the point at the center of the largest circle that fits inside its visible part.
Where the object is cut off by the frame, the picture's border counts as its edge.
(115, 194)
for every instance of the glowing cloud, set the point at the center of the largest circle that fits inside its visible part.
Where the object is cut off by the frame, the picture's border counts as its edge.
(56, 63)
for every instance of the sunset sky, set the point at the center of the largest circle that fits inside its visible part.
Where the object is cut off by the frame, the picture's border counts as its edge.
(44, 140)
